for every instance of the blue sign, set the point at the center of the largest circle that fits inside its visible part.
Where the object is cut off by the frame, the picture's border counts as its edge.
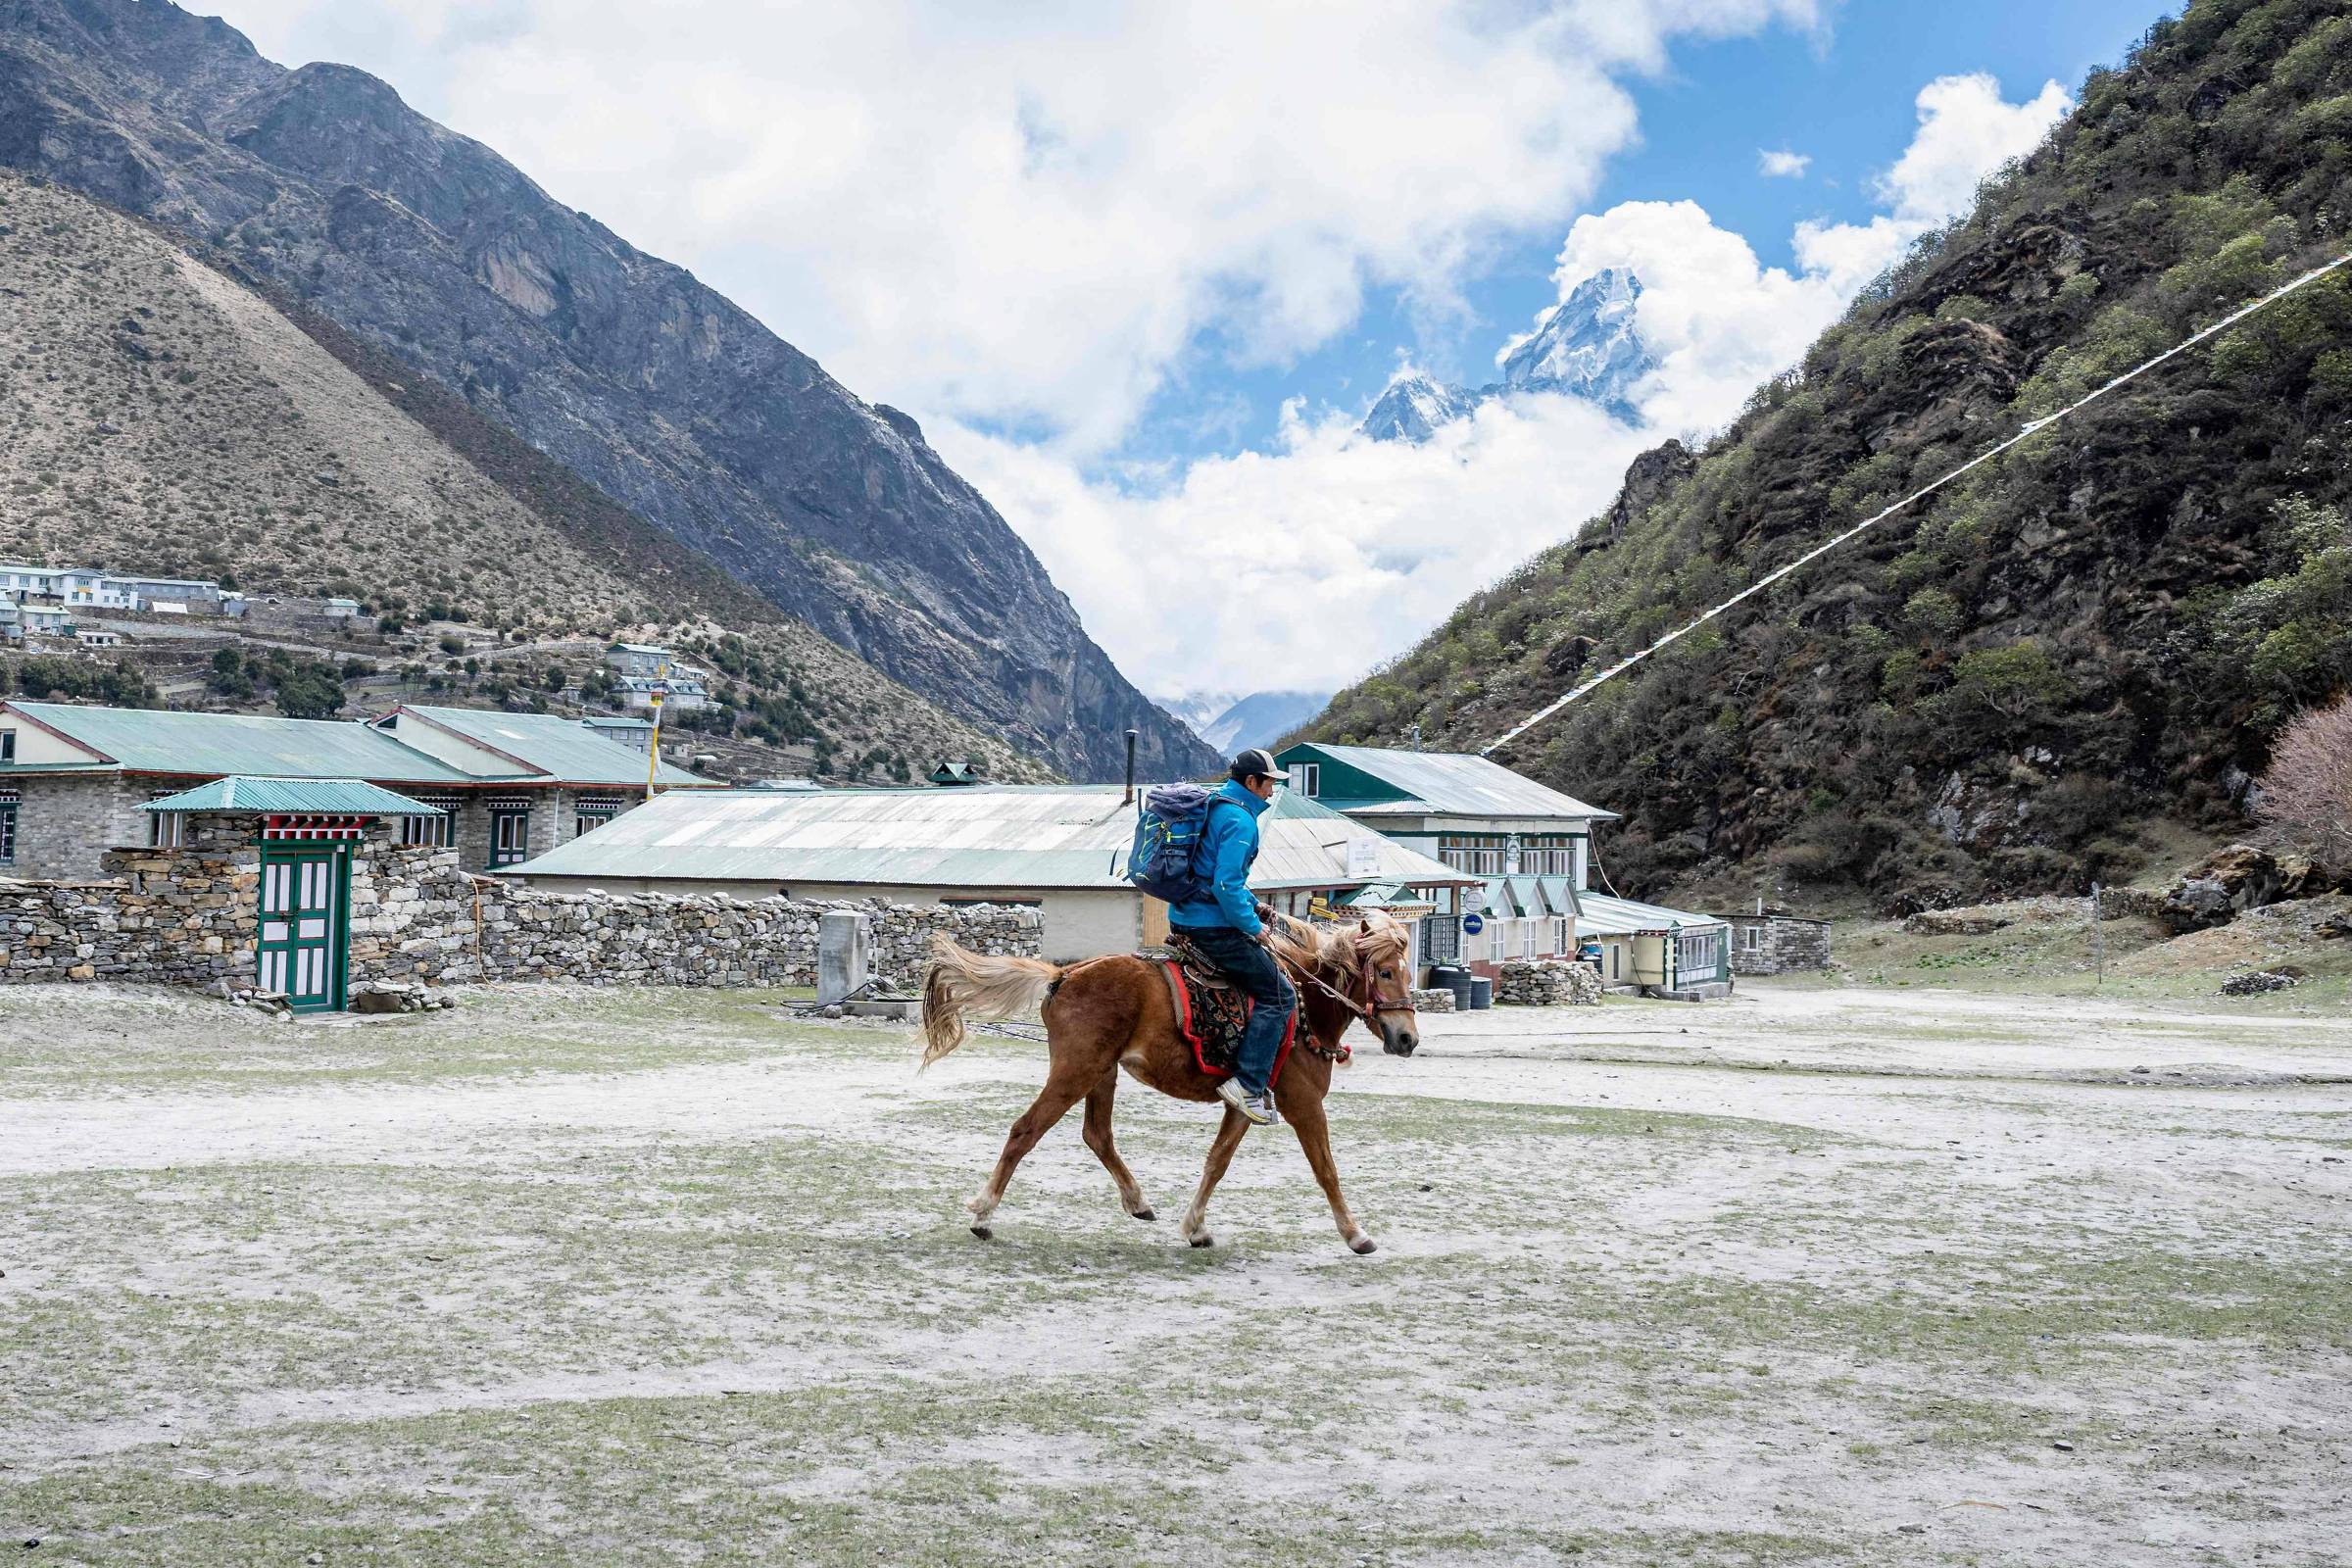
(1474, 923)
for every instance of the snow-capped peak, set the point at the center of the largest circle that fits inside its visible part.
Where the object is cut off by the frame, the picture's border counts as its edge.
(1586, 346)
(1414, 408)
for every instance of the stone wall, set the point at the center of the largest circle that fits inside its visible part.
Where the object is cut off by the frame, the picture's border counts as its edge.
(417, 914)
(191, 915)
(176, 918)
(1784, 944)
(1545, 983)
(64, 822)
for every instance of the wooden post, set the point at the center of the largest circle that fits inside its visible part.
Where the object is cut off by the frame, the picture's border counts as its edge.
(2098, 941)
(653, 761)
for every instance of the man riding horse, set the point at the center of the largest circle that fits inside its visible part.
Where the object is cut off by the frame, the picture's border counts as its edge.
(1227, 927)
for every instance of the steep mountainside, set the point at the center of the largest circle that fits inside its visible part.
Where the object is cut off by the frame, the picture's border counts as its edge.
(158, 416)
(1993, 692)
(619, 366)
(1588, 346)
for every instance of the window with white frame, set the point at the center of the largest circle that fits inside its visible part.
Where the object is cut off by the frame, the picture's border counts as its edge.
(1441, 938)
(1306, 778)
(1532, 939)
(1547, 855)
(1559, 935)
(1752, 937)
(592, 811)
(166, 830)
(8, 827)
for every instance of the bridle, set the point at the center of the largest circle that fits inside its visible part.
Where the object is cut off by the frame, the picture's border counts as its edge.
(1369, 1011)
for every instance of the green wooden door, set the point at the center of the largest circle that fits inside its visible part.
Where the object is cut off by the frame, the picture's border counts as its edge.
(305, 888)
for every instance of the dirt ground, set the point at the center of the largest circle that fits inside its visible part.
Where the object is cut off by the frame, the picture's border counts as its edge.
(1814, 1275)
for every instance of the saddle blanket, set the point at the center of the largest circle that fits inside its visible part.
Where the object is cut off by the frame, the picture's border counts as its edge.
(1212, 1016)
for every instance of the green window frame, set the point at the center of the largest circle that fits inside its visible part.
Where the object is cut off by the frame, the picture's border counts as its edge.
(592, 811)
(510, 832)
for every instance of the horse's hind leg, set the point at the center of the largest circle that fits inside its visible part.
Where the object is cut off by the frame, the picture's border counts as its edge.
(1303, 1108)
(1220, 1155)
(1097, 1138)
(1065, 1086)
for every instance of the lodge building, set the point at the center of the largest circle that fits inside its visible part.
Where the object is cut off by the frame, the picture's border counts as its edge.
(75, 781)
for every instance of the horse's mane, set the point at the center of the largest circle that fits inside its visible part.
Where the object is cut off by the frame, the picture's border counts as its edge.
(1337, 950)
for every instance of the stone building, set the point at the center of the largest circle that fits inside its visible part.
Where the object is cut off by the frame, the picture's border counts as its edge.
(1776, 941)
(1058, 849)
(503, 787)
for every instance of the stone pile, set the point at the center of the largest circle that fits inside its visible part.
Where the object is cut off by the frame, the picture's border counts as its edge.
(1546, 983)
(1439, 999)
(274, 1003)
(392, 996)
(2255, 982)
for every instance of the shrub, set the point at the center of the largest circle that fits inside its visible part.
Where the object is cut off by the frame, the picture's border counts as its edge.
(2306, 798)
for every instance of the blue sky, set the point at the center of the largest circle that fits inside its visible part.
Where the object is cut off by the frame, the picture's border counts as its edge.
(1138, 266)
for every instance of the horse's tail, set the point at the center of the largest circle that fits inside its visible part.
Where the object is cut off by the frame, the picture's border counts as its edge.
(975, 985)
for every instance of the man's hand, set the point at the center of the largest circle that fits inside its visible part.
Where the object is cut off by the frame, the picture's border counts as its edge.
(1265, 911)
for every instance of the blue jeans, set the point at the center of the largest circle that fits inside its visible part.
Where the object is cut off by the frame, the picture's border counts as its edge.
(1254, 969)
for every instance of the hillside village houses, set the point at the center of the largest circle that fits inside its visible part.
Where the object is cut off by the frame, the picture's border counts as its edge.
(1058, 849)
(75, 780)
(1531, 849)
(639, 668)
(73, 588)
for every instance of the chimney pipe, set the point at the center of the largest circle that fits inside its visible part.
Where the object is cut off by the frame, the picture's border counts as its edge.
(1130, 735)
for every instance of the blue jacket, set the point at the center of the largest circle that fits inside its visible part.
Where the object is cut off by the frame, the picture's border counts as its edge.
(1227, 848)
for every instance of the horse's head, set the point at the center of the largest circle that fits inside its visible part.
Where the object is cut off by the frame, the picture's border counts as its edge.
(1384, 983)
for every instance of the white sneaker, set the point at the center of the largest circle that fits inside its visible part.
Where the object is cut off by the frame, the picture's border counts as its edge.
(1258, 1108)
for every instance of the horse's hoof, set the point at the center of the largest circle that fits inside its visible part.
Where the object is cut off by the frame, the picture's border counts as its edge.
(984, 1232)
(1203, 1240)
(1143, 1213)
(1362, 1244)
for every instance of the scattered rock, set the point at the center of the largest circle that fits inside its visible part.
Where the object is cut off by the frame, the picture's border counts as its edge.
(2062, 1446)
(2229, 881)
(2255, 982)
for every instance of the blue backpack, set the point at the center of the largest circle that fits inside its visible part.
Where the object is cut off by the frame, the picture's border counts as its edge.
(1164, 859)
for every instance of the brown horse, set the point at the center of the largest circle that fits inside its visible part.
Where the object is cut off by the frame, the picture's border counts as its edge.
(1104, 1014)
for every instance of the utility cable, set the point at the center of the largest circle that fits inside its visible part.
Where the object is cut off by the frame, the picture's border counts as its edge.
(2030, 428)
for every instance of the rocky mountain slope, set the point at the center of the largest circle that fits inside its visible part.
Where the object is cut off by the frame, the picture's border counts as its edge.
(1993, 693)
(625, 368)
(1588, 346)
(157, 416)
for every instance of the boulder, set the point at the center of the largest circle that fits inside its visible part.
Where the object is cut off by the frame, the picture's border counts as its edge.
(2229, 881)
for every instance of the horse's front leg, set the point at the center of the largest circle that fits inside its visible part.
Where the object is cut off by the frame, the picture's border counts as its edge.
(1220, 1155)
(1302, 1107)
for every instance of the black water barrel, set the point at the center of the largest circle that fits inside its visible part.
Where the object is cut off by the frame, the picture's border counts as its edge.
(1482, 993)
(1454, 978)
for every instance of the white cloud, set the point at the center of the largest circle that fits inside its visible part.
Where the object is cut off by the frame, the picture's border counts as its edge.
(1030, 216)
(1781, 165)
(1299, 567)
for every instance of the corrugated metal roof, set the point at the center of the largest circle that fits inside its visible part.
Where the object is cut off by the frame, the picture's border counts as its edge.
(1455, 784)
(333, 797)
(1608, 916)
(552, 745)
(985, 836)
(154, 741)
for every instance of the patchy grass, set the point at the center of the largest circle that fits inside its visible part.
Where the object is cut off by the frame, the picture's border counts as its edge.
(690, 1287)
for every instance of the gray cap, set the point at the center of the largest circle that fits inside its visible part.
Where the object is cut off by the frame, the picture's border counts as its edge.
(1257, 763)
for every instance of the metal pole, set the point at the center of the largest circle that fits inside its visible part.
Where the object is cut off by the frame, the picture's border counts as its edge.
(653, 759)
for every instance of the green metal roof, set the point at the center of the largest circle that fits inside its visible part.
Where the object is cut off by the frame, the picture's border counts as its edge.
(553, 748)
(146, 740)
(326, 796)
(1449, 784)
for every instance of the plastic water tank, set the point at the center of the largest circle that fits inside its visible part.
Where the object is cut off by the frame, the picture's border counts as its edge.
(1482, 993)
(1454, 978)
